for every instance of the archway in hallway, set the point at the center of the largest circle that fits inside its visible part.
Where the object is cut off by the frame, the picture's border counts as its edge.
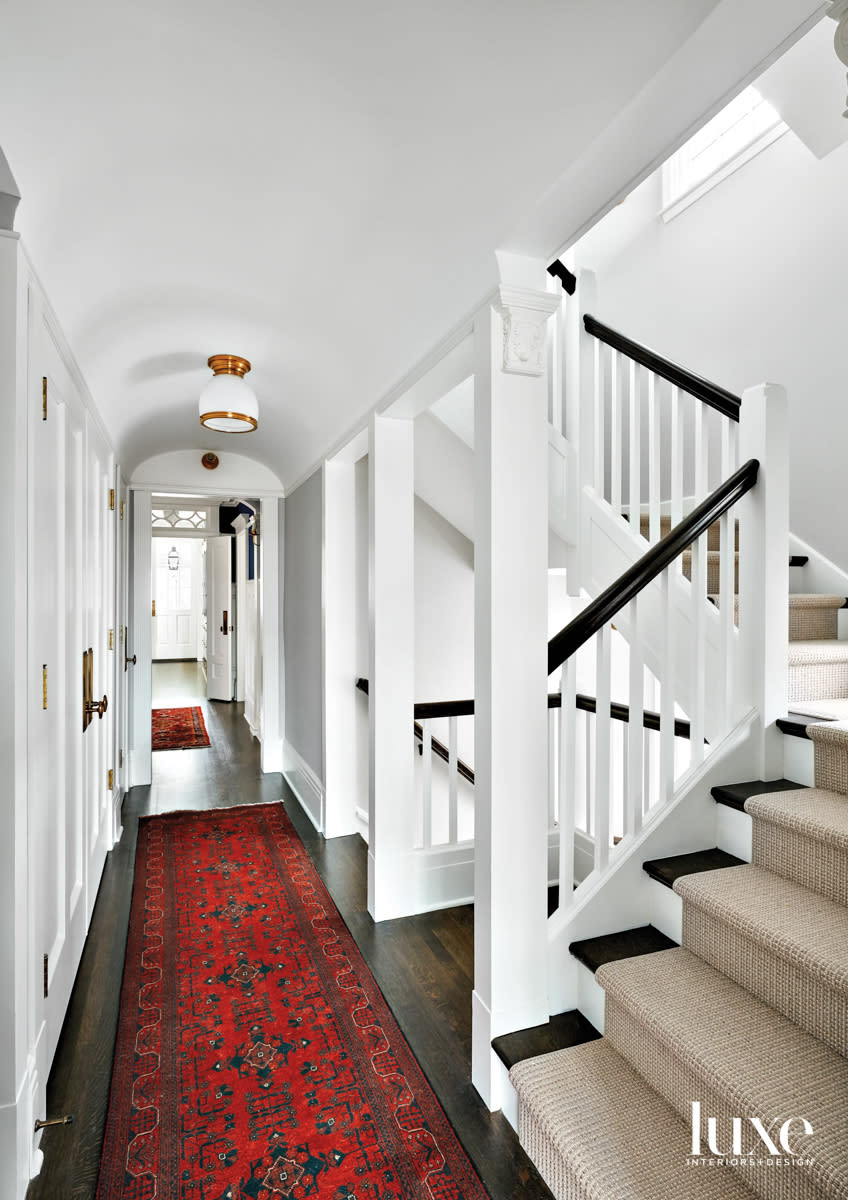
(258, 676)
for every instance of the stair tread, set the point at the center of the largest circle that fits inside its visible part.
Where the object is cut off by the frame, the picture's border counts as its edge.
(814, 812)
(790, 920)
(610, 947)
(734, 795)
(667, 870)
(607, 1124)
(809, 711)
(745, 1053)
(815, 600)
(560, 1032)
(822, 650)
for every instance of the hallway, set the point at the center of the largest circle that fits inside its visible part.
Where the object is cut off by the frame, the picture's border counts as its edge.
(423, 964)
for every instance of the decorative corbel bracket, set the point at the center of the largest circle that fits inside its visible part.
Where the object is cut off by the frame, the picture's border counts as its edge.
(839, 13)
(525, 313)
(9, 194)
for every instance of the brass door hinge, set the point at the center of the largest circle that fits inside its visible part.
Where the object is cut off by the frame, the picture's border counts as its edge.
(111, 639)
(45, 977)
(123, 505)
(120, 758)
(44, 398)
(154, 608)
(111, 499)
(111, 779)
(44, 686)
(121, 635)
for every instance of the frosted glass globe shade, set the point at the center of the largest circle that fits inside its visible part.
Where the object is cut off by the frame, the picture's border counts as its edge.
(228, 404)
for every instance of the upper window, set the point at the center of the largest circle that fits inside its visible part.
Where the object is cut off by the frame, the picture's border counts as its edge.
(179, 518)
(742, 129)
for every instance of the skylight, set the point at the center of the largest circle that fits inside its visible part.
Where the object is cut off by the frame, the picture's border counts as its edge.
(741, 130)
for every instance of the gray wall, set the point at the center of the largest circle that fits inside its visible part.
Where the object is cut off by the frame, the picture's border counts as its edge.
(302, 622)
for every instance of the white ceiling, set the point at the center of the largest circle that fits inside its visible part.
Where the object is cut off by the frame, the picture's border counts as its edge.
(316, 186)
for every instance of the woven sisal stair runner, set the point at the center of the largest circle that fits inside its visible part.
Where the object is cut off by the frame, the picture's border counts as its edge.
(596, 1131)
(803, 836)
(749, 1018)
(693, 1034)
(784, 943)
(813, 617)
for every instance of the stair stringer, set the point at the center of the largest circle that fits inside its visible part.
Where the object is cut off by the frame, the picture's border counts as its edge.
(608, 547)
(620, 898)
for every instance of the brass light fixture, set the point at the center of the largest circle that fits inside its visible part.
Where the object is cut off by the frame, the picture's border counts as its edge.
(228, 404)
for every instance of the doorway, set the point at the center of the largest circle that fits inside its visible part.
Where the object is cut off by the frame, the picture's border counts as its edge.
(221, 582)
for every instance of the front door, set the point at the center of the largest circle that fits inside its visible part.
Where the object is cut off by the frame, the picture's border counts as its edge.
(176, 593)
(220, 625)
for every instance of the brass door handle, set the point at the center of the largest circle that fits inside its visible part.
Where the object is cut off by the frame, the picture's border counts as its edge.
(128, 660)
(96, 706)
(224, 626)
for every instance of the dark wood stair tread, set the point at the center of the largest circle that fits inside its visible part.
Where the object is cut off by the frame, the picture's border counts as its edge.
(564, 1030)
(666, 870)
(594, 952)
(795, 724)
(734, 795)
(798, 560)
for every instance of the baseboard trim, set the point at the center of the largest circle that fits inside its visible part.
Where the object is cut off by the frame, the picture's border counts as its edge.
(305, 784)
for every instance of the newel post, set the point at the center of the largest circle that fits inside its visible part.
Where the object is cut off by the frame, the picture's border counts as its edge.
(511, 722)
(764, 568)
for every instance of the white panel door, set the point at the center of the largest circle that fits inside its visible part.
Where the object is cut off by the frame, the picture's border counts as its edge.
(175, 590)
(219, 620)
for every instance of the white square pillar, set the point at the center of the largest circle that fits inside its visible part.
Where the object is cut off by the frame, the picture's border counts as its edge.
(392, 886)
(511, 716)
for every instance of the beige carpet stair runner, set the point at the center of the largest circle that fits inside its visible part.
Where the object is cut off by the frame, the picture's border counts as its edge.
(748, 1018)
(818, 661)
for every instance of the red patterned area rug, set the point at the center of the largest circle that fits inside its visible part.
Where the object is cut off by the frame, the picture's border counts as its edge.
(179, 729)
(256, 1058)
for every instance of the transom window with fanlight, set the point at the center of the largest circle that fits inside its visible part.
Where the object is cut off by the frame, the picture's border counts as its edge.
(169, 517)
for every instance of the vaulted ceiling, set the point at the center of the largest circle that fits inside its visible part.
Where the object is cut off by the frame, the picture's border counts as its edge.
(318, 186)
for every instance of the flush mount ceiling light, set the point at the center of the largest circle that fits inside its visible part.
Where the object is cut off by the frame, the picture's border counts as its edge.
(227, 403)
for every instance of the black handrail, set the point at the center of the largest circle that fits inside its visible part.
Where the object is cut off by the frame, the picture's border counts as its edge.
(560, 271)
(716, 397)
(441, 751)
(603, 608)
(589, 704)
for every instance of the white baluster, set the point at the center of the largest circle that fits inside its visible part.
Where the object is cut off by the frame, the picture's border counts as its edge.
(677, 444)
(615, 433)
(599, 419)
(568, 779)
(654, 459)
(635, 740)
(666, 676)
(427, 783)
(635, 418)
(453, 782)
(602, 750)
(553, 768)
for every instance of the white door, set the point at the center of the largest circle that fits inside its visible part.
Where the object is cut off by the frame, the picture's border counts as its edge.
(176, 593)
(219, 620)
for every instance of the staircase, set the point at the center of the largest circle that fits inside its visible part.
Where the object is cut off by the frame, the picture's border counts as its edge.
(722, 1069)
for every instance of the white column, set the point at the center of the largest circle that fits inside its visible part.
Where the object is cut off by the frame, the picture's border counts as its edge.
(391, 866)
(511, 717)
(340, 646)
(140, 643)
(270, 660)
(764, 566)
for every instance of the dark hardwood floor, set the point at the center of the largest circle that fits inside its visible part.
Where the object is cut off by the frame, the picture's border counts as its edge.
(422, 964)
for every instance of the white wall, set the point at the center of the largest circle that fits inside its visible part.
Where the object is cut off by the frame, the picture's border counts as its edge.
(302, 622)
(444, 608)
(748, 285)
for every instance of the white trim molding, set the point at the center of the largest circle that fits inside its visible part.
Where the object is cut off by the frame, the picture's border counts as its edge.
(525, 313)
(305, 784)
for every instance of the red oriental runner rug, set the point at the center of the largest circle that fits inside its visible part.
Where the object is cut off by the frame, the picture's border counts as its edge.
(179, 729)
(256, 1058)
